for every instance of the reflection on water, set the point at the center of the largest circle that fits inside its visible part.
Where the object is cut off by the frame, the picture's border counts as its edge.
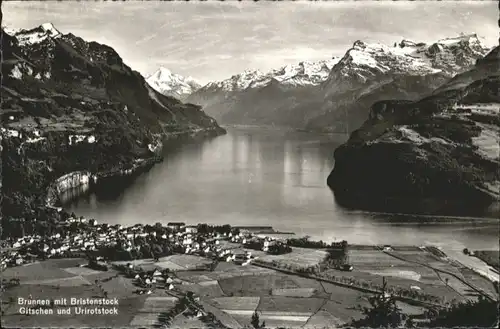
(75, 193)
(265, 177)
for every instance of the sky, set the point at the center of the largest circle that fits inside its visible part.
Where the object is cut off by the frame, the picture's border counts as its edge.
(212, 41)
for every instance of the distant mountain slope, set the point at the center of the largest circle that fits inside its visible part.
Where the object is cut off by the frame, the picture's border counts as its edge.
(373, 72)
(171, 84)
(339, 101)
(71, 105)
(437, 155)
(237, 94)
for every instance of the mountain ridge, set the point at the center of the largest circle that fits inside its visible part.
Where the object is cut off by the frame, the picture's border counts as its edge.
(69, 105)
(357, 77)
(437, 155)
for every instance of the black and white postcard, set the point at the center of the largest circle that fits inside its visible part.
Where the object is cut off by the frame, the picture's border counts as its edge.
(241, 164)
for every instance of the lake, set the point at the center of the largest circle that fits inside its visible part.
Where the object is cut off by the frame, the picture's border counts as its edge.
(270, 177)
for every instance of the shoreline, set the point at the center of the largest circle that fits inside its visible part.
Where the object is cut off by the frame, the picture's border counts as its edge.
(436, 217)
(124, 263)
(257, 232)
(138, 166)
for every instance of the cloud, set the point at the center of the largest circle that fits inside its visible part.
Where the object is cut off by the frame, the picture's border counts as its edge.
(214, 40)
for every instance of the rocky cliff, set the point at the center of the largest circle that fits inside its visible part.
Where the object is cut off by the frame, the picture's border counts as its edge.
(69, 105)
(436, 155)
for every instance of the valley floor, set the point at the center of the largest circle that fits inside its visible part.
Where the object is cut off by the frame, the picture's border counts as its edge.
(232, 293)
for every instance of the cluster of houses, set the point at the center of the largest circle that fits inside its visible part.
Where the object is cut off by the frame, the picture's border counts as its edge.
(29, 248)
(92, 237)
(149, 280)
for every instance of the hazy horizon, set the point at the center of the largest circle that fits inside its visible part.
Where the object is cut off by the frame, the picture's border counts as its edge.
(212, 41)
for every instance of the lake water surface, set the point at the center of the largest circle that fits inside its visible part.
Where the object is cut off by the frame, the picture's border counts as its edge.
(271, 177)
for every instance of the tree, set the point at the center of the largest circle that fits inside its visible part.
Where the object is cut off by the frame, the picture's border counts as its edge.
(255, 321)
(483, 313)
(383, 312)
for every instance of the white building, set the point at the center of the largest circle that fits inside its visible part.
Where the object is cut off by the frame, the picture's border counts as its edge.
(191, 229)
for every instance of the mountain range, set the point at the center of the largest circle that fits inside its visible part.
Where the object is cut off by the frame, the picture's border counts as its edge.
(334, 95)
(439, 154)
(69, 105)
(245, 94)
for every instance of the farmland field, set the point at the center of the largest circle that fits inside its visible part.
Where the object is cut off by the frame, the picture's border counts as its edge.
(418, 256)
(236, 303)
(322, 319)
(463, 290)
(304, 283)
(283, 320)
(233, 292)
(300, 257)
(429, 259)
(182, 321)
(479, 281)
(345, 296)
(225, 318)
(242, 319)
(49, 269)
(194, 276)
(359, 258)
(144, 319)
(295, 305)
(228, 270)
(164, 264)
(295, 292)
(173, 262)
(343, 312)
(256, 285)
(203, 290)
(376, 280)
(188, 261)
(81, 271)
(158, 304)
(61, 282)
(381, 264)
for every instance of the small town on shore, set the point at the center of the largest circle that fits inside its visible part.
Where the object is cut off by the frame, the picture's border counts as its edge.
(177, 262)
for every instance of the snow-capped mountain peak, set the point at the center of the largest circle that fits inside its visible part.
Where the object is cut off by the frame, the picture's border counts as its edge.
(410, 57)
(302, 74)
(470, 38)
(37, 35)
(50, 29)
(168, 83)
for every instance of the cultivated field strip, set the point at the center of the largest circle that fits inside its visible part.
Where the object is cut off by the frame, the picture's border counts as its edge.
(63, 282)
(294, 292)
(144, 319)
(158, 304)
(322, 318)
(222, 316)
(236, 303)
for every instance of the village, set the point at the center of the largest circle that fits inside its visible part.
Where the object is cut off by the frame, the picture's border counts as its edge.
(190, 275)
(82, 237)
